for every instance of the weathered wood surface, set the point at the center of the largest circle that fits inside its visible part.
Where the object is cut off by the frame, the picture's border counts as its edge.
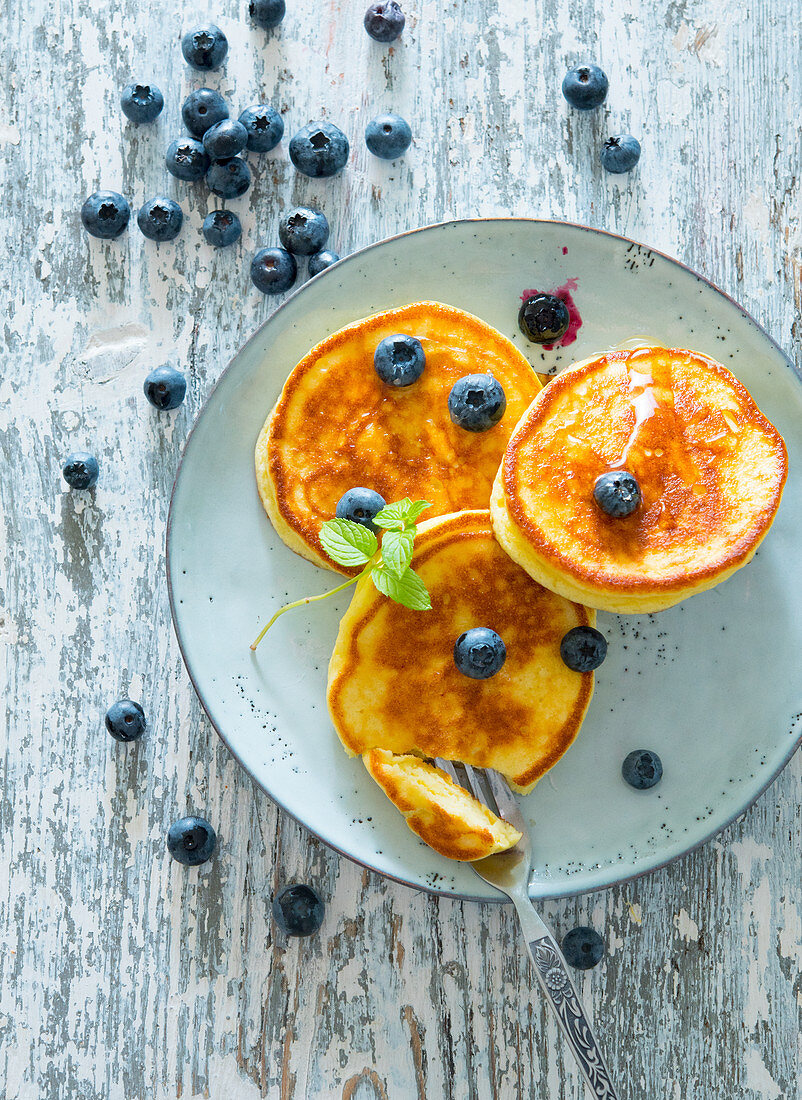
(122, 974)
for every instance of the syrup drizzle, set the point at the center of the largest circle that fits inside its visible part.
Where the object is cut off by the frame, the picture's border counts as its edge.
(644, 404)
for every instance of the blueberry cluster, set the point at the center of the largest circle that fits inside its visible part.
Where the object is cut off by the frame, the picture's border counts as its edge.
(216, 148)
(585, 88)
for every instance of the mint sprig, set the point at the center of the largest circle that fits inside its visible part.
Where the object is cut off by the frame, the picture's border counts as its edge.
(388, 565)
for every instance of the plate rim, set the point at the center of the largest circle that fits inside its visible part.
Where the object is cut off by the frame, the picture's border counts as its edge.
(424, 887)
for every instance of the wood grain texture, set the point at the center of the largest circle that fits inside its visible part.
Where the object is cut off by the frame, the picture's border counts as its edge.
(124, 975)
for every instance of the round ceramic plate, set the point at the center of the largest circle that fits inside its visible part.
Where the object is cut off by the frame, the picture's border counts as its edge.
(712, 684)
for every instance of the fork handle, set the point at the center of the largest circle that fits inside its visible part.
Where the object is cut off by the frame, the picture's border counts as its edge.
(561, 993)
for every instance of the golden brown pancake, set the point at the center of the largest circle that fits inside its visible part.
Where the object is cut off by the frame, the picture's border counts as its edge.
(440, 812)
(393, 683)
(710, 466)
(337, 425)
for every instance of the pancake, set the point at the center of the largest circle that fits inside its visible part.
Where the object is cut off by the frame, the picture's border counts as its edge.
(710, 467)
(393, 683)
(336, 425)
(440, 812)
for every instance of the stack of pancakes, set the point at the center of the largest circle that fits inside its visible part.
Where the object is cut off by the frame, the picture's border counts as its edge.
(711, 470)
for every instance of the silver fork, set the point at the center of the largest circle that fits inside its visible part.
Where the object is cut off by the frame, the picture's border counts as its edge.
(509, 872)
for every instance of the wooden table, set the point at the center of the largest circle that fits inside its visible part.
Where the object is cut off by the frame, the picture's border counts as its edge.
(124, 975)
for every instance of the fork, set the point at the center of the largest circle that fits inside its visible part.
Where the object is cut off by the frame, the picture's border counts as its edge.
(509, 872)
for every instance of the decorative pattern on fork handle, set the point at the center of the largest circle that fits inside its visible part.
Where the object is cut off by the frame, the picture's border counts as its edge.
(565, 1001)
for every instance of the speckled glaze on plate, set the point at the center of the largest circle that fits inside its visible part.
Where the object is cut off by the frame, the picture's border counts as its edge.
(713, 685)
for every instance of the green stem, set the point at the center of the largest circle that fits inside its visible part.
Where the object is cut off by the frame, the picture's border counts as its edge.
(310, 599)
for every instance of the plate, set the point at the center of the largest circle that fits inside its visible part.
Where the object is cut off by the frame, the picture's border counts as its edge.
(713, 685)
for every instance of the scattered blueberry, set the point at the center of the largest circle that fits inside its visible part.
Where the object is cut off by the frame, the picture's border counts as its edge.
(319, 149)
(165, 388)
(298, 910)
(384, 21)
(204, 47)
(303, 230)
(202, 109)
(476, 402)
(620, 154)
(142, 102)
(544, 319)
(267, 13)
(186, 159)
(191, 840)
(399, 360)
(105, 214)
(360, 506)
(160, 219)
(125, 720)
(80, 470)
(229, 178)
(225, 139)
(642, 769)
(582, 948)
(273, 270)
(222, 228)
(583, 648)
(617, 493)
(388, 136)
(585, 87)
(479, 653)
(320, 261)
(265, 127)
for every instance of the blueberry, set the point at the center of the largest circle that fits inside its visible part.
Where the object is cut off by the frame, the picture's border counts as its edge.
(298, 910)
(201, 109)
(160, 219)
(273, 270)
(204, 47)
(319, 149)
(388, 136)
(582, 948)
(583, 648)
(265, 127)
(267, 13)
(225, 139)
(476, 402)
(360, 506)
(384, 21)
(142, 102)
(642, 769)
(303, 230)
(125, 720)
(229, 178)
(617, 493)
(479, 653)
(320, 261)
(105, 214)
(222, 228)
(544, 319)
(399, 360)
(165, 388)
(191, 840)
(186, 159)
(620, 154)
(585, 87)
(80, 470)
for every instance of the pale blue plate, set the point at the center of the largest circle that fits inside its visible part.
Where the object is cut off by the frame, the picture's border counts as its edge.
(712, 685)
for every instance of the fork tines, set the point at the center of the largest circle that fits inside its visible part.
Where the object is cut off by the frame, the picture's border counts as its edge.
(485, 784)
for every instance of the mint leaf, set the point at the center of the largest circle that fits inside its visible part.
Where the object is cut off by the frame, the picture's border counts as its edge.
(408, 589)
(348, 543)
(395, 517)
(397, 550)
